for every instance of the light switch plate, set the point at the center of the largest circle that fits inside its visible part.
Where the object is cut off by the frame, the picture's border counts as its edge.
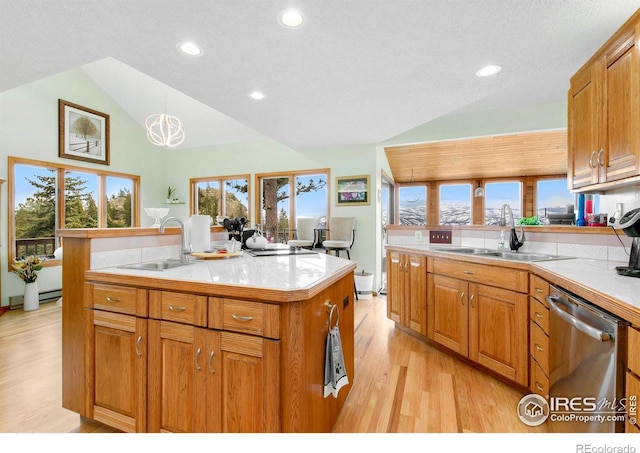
(417, 235)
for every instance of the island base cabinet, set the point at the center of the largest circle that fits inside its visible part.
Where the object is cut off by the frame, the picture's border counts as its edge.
(204, 380)
(116, 381)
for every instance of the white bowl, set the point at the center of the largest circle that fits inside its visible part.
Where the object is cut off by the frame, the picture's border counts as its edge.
(157, 214)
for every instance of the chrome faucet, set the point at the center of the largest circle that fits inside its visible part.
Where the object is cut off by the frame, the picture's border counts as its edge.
(515, 242)
(185, 249)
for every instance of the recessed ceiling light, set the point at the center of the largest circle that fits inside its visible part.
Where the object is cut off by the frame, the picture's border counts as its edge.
(256, 95)
(291, 18)
(190, 48)
(488, 70)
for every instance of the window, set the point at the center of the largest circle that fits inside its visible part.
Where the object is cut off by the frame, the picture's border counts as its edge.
(412, 205)
(284, 197)
(552, 197)
(46, 196)
(455, 204)
(224, 196)
(499, 193)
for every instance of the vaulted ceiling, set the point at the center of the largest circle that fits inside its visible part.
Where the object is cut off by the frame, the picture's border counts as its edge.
(357, 72)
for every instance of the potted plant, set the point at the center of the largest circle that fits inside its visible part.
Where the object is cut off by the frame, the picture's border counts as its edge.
(170, 192)
(28, 270)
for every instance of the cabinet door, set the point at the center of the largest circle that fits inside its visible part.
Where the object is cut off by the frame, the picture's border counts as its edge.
(447, 318)
(183, 384)
(416, 293)
(583, 128)
(395, 286)
(621, 110)
(116, 385)
(249, 374)
(498, 331)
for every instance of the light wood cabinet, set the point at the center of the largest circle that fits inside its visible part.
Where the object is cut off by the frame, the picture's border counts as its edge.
(116, 379)
(485, 323)
(539, 336)
(407, 290)
(604, 113)
(632, 384)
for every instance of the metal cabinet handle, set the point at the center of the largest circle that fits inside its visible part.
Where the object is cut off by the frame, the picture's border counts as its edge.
(174, 308)
(197, 359)
(242, 318)
(462, 297)
(211, 370)
(138, 342)
(539, 348)
(538, 315)
(539, 387)
(591, 163)
(600, 155)
(473, 296)
(538, 290)
(468, 272)
(113, 299)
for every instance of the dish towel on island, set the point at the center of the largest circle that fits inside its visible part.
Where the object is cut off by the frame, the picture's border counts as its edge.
(335, 374)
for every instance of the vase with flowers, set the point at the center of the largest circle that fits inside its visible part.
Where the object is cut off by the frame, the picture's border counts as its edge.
(28, 270)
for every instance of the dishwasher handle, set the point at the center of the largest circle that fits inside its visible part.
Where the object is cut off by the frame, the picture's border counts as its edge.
(582, 326)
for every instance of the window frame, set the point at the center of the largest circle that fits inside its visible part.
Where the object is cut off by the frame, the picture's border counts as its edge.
(292, 209)
(456, 182)
(61, 169)
(398, 201)
(520, 181)
(193, 196)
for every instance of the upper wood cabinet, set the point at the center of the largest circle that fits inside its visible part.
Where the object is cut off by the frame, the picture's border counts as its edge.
(604, 114)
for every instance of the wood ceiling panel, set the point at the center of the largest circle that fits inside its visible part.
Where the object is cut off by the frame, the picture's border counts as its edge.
(524, 154)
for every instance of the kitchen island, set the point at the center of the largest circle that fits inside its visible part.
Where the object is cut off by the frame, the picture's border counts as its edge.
(227, 345)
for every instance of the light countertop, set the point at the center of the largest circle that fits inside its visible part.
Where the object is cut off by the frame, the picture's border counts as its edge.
(267, 276)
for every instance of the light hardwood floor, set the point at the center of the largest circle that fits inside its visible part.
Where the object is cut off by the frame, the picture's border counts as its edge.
(400, 383)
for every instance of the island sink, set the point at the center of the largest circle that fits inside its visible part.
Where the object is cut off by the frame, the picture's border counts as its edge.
(154, 265)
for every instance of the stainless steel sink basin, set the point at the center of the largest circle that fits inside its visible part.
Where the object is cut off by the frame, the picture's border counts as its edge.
(154, 265)
(514, 256)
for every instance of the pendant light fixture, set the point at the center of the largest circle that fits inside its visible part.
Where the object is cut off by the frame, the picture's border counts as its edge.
(479, 192)
(411, 197)
(164, 130)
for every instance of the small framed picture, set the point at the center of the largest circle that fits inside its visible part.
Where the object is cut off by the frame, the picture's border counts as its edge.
(352, 190)
(83, 133)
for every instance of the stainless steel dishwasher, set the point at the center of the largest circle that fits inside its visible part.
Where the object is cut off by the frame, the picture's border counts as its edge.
(587, 350)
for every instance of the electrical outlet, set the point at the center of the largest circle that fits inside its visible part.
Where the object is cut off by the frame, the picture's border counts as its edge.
(417, 236)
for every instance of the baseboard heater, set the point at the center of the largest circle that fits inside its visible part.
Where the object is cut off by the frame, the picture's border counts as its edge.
(16, 302)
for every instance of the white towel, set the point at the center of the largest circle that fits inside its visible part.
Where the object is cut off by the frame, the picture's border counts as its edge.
(335, 374)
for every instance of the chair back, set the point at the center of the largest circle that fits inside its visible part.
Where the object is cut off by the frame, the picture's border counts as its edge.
(341, 228)
(306, 228)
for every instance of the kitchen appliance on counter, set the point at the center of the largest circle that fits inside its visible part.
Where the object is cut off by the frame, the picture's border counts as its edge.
(587, 349)
(630, 224)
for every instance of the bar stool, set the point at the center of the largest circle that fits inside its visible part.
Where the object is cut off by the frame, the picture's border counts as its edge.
(305, 232)
(342, 234)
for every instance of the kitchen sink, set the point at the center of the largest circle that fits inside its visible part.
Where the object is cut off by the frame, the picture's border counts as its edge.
(154, 265)
(514, 256)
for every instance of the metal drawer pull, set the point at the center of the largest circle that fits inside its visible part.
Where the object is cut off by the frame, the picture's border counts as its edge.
(113, 299)
(197, 358)
(473, 296)
(539, 348)
(538, 290)
(468, 272)
(211, 370)
(174, 308)
(462, 297)
(242, 318)
(138, 341)
(539, 387)
(538, 315)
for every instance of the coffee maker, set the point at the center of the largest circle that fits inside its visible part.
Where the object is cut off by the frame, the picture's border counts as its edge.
(630, 224)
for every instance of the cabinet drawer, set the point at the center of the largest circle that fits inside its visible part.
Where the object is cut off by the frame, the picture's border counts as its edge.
(539, 289)
(255, 318)
(540, 347)
(539, 314)
(501, 277)
(632, 393)
(118, 299)
(178, 307)
(633, 350)
(539, 381)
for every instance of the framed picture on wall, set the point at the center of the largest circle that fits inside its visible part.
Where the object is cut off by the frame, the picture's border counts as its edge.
(83, 133)
(352, 190)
